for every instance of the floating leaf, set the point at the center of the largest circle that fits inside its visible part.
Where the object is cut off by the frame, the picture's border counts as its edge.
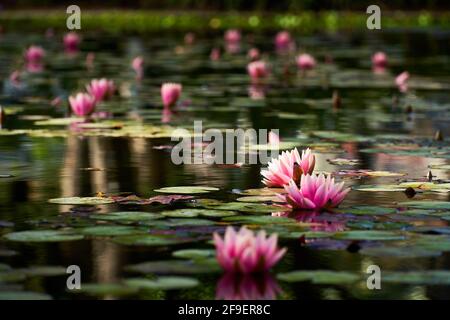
(127, 216)
(194, 253)
(371, 235)
(368, 210)
(23, 295)
(426, 204)
(192, 213)
(319, 277)
(148, 240)
(260, 199)
(106, 289)
(399, 252)
(82, 200)
(173, 267)
(187, 189)
(43, 236)
(429, 277)
(260, 220)
(163, 283)
(110, 231)
(379, 188)
(44, 271)
(11, 276)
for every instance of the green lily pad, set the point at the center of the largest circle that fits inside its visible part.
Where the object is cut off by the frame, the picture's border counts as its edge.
(82, 201)
(379, 188)
(110, 231)
(319, 277)
(400, 252)
(43, 236)
(148, 240)
(163, 283)
(173, 267)
(263, 192)
(371, 235)
(194, 253)
(425, 204)
(106, 289)
(430, 277)
(23, 295)
(44, 271)
(12, 276)
(249, 207)
(187, 189)
(369, 210)
(192, 213)
(260, 199)
(260, 220)
(127, 216)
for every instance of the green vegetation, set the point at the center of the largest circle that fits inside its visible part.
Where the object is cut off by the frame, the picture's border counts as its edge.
(116, 21)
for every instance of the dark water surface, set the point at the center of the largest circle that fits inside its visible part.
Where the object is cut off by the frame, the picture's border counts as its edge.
(54, 161)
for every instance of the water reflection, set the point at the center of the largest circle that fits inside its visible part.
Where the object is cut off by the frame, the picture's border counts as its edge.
(247, 287)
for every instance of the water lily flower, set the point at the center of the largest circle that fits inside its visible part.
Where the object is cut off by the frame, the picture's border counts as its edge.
(289, 165)
(14, 78)
(101, 89)
(170, 92)
(274, 139)
(245, 252)
(189, 38)
(215, 54)
(283, 40)
(257, 70)
(232, 36)
(34, 55)
(82, 104)
(306, 62)
(138, 66)
(71, 42)
(253, 54)
(402, 81)
(379, 62)
(315, 192)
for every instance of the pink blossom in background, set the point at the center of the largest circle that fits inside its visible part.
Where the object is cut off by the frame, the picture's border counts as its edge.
(245, 252)
(254, 54)
(379, 62)
(101, 89)
(281, 170)
(306, 62)
(71, 42)
(82, 104)
(232, 36)
(402, 81)
(215, 54)
(283, 41)
(138, 66)
(257, 70)
(170, 92)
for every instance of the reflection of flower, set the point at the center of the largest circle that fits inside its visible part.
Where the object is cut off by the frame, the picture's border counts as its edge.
(245, 252)
(253, 54)
(315, 192)
(232, 36)
(281, 170)
(257, 91)
(306, 62)
(318, 221)
(247, 287)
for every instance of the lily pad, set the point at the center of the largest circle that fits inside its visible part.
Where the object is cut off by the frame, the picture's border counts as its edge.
(106, 289)
(43, 236)
(370, 235)
(425, 204)
(44, 271)
(82, 200)
(187, 189)
(192, 213)
(431, 277)
(369, 210)
(260, 199)
(110, 231)
(400, 252)
(163, 283)
(173, 267)
(23, 295)
(127, 216)
(319, 277)
(148, 240)
(194, 253)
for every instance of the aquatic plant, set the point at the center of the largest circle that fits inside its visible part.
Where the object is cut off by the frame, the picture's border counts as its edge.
(289, 165)
(306, 62)
(101, 89)
(82, 104)
(170, 92)
(245, 252)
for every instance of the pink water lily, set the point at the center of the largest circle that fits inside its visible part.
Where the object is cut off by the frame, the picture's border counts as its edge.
(71, 42)
(315, 192)
(283, 40)
(138, 66)
(254, 54)
(232, 36)
(34, 55)
(257, 70)
(215, 54)
(101, 89)
(306, 62)
(402, 81)
(170, 92)
(379, 62)
(245, 252)
(289, 165)
(82, 104)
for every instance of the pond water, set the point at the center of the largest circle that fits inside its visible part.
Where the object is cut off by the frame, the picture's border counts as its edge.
(389, 136)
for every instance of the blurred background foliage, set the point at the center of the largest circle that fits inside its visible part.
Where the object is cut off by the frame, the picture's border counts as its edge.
(254, 5)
